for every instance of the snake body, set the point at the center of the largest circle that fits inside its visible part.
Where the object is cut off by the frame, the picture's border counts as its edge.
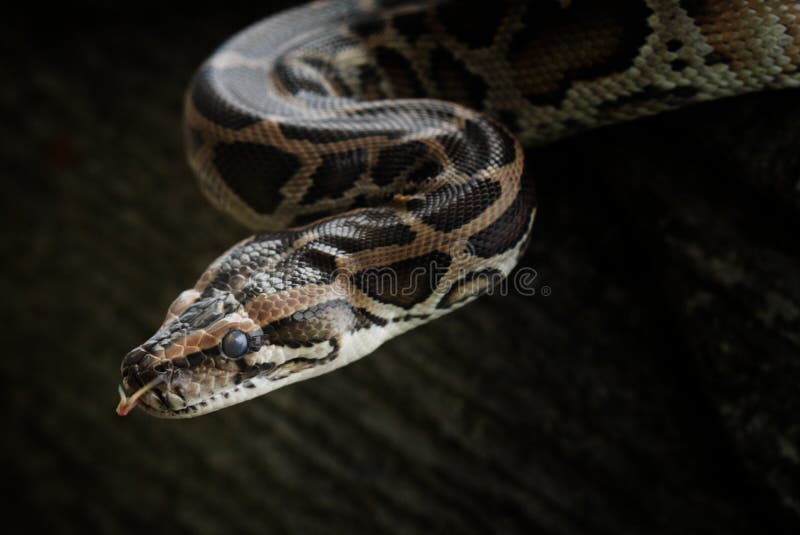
(376, 147)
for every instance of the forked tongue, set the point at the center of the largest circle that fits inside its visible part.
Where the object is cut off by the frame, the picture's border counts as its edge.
(127, 404)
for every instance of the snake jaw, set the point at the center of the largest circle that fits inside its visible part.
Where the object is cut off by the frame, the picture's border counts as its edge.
(127, 404)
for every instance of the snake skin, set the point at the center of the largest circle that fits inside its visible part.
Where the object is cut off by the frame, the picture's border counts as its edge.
(374, 146)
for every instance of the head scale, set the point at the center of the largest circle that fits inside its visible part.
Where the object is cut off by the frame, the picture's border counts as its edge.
(249, 326)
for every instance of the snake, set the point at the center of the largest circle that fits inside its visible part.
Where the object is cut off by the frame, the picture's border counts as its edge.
(376, 148)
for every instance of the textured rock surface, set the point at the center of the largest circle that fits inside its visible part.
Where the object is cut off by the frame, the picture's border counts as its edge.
(653, 391)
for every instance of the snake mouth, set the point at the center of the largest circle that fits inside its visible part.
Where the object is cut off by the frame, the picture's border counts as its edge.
(163, 406)
(127, 404)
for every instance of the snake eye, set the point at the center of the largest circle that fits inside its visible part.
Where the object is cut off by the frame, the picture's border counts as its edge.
(234, 344)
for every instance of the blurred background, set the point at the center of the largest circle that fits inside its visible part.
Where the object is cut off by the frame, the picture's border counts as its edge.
(654, 390)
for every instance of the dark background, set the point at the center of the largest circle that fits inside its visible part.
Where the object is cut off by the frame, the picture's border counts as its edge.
(655, 390)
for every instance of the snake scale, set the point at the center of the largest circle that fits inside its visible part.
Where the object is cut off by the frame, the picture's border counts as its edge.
(376, 148)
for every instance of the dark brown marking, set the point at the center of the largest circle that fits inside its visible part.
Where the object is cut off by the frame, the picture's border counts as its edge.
(455, 81)
(616, 29)
(248, 372)
(315, 324)
(471, 285)
(454, 205)
(411, 317)
(693, 8)
(313, 263)
(477, 146)
(255, 172)
(405, 283)
(369, 81)
(366, 319)
(426, 172)
(366, 28)
(411, 26)
(395, 160)
(673, 45)
(263, 248)
(301, 363)
(473, 22)
(713, 58)
(507, 230)
(401, 77)
(678, 65)
(336, 174)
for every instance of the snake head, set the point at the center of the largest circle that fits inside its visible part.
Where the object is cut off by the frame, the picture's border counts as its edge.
(242, 332)
(186, 370)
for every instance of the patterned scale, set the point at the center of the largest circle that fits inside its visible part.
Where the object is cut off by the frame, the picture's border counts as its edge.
(374, 146)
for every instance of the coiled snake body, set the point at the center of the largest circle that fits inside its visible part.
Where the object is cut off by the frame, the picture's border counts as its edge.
(374, 145)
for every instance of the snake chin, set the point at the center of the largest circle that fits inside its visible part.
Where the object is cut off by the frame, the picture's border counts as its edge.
(171, 402)
(202, 383)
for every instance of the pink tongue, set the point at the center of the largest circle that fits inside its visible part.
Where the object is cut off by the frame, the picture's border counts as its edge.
(127, 404)
(124, 406)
